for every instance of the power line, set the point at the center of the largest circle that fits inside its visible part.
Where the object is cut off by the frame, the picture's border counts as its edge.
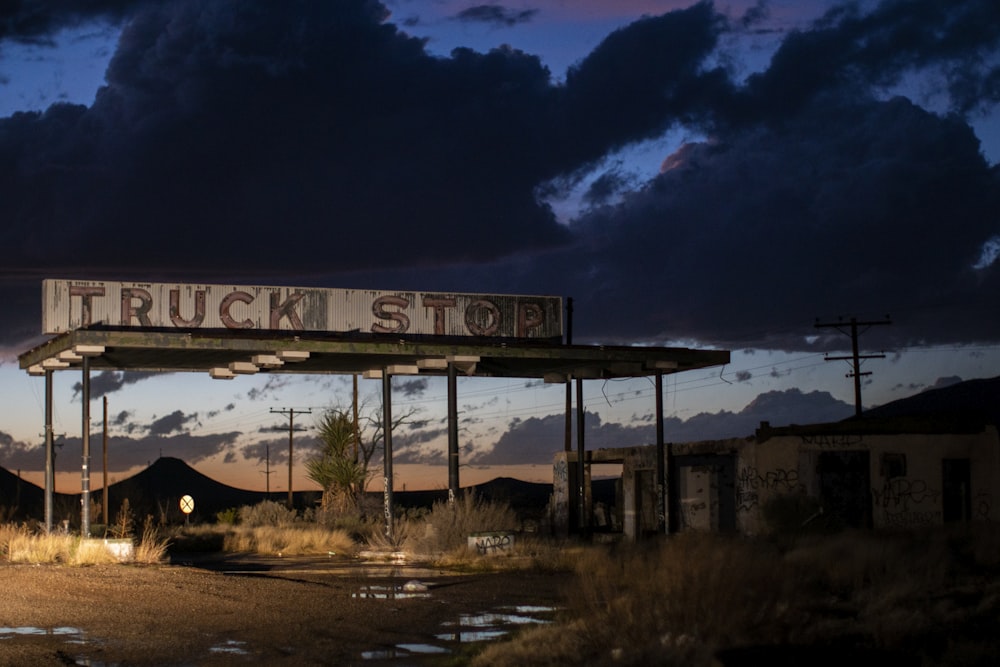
(856, 357)
(291, 412)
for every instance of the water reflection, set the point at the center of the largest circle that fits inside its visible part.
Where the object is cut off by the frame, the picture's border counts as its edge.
(469, 628)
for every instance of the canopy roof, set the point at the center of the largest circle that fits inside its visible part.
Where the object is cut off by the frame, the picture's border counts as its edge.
(232, 352)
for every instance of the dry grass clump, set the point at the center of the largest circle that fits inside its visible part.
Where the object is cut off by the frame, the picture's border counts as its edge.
(923, 597)
(266, 513)
(293, 540)
(446, 528)
(683, 597)
(152, 547)
(22, 545)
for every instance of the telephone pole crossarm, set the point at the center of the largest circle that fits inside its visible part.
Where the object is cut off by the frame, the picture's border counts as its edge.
(291, 412)
(855, 357)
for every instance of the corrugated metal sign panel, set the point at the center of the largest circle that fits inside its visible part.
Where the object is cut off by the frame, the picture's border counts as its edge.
(72, 304)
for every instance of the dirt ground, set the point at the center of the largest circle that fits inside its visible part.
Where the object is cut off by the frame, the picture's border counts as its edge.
(259, 611)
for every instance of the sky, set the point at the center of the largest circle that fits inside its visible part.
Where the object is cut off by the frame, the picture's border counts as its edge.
(718, 176)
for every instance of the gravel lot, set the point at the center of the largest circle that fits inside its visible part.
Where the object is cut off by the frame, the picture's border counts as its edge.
(259, 611)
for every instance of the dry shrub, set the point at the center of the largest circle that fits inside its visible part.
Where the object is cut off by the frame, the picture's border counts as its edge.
(537, 645)
(377, 538)
(296, 540)
(151, 548)
(92, 552)
(446, 528)
(21, 545)
(690, 594)
(267, 513)
(929, 597)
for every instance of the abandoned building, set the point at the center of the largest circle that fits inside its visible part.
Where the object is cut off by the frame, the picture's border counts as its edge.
(883, 474)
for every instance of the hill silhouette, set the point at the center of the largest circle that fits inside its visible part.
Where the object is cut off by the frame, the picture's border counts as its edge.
(975, 401)
(157, 491)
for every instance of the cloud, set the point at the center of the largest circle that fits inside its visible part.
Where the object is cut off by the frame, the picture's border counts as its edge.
(496, 15)
(319, 143)
(124, 453)
(35, 21)
(537, 439)
(411, 388)
(108, 382)
(176, 421)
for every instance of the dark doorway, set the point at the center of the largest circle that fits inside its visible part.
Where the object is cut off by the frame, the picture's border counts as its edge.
(956, 490)
(845, 487)
(707, 484)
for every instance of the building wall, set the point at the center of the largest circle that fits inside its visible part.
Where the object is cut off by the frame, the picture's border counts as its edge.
(867, 480)
(905, 476)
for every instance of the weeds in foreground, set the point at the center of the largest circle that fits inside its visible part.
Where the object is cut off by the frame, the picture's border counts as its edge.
(21, 544)
(446, 528)
(918, 598)
(293, 540)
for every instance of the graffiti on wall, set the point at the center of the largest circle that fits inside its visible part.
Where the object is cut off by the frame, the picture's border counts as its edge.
(490, 544)
(834, 440)
(907, 503)
(750, 481)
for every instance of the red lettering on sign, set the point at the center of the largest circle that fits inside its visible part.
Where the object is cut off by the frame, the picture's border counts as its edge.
(140, 312)
(227, 303)
(286, 309)
(529, 316)
(85, 294)
(482, 318)
(438, 304)
(175, 309)
(402, 322)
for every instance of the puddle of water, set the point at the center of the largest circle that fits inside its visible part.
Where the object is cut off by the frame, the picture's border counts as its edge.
(490, 619)
(230, 647)
(422, 648)
(27, 631)
(403, 651)
(69, 635)
(389, 592)
(469, 629)
(471, 636)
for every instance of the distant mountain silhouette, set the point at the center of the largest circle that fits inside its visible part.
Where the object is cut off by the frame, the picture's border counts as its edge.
(970, 401)
(21, 500)
(158, 489)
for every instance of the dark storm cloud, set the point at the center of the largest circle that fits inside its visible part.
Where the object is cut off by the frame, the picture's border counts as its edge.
(176, 421)
(316, 139)
(411, 388)
(108, 382)
(495, 15)
(37, 20)
(859, 207)
(123, 453)
(304, 447)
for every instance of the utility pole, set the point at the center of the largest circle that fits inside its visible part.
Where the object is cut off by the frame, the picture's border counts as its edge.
(107, 517)
(855, 356)
(267, 470)
(291, 412)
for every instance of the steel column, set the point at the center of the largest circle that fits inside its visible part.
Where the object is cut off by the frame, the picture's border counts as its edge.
(581, 466)
(387, 453)
(85, 470)
(49, 461)
(662, 524)
(453, 484)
